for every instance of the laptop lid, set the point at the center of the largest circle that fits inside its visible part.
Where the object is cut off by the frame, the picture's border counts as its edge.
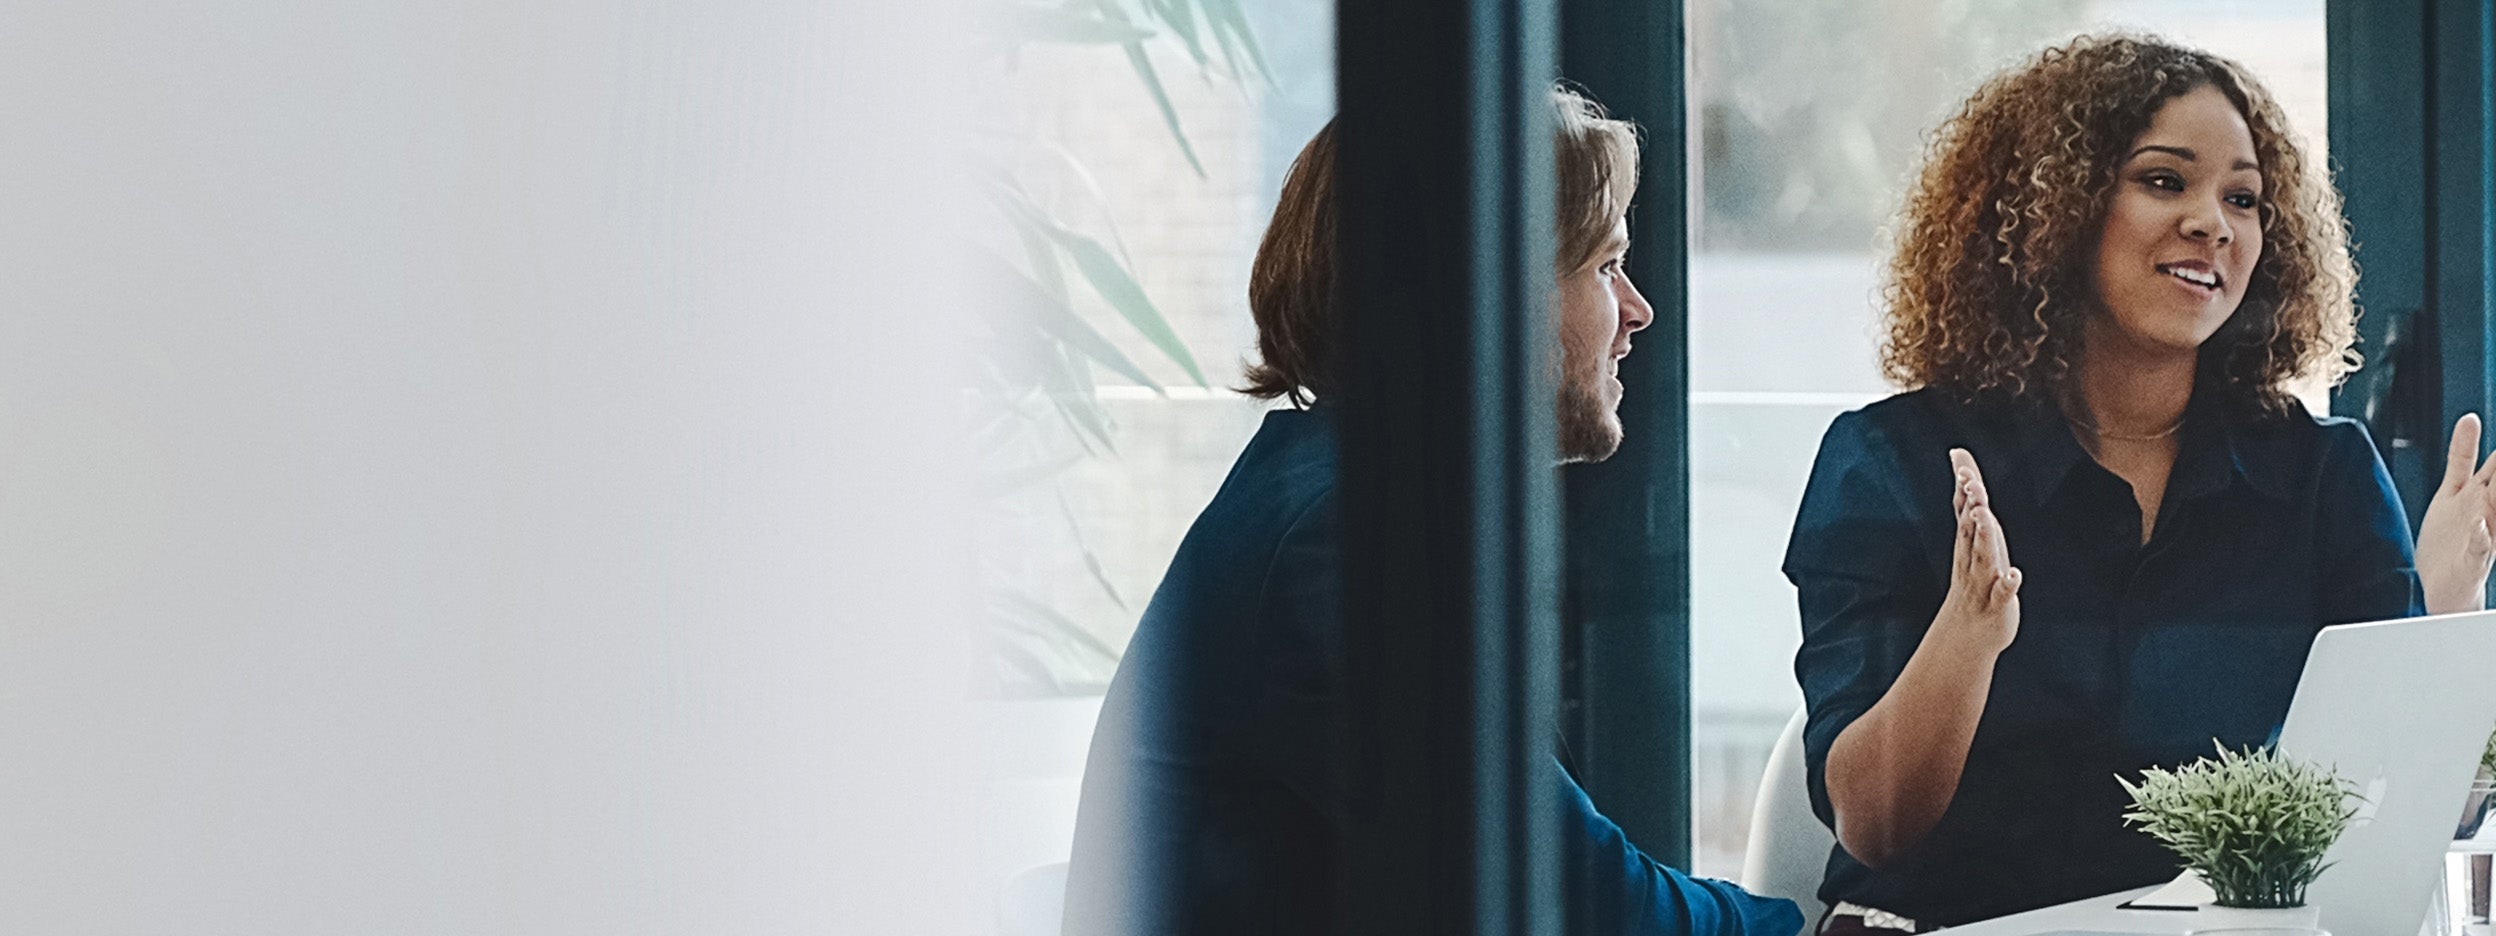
(2401, 709)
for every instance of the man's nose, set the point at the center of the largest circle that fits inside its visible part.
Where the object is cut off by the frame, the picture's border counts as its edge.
(1635, 312)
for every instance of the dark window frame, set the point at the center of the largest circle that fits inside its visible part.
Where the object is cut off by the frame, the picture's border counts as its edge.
(1627, 709)
(1452, 556)
(1456, 564)
(2413, 103)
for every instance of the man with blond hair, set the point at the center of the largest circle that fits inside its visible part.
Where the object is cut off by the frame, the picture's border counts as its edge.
(1213, 801)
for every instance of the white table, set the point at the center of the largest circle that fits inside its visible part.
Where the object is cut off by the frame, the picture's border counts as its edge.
(2106, 914)
(2103, 915)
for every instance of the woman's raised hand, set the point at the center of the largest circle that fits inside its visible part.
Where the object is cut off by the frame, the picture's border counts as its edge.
(2454, 548)
(1983, 604)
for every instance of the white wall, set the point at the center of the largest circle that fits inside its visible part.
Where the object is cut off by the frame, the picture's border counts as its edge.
(472, 468)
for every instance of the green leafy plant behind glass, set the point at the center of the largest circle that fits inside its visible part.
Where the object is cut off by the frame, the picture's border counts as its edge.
(1034, 388)
(2253, 824)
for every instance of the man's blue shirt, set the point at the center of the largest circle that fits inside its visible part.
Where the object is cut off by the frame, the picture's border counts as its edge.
(1213, 801)
(2128, 655)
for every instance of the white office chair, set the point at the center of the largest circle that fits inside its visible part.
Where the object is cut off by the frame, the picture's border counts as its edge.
(1033, 901)
(1789, 848)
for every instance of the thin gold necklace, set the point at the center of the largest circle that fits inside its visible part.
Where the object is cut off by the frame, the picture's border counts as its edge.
(2151, 437)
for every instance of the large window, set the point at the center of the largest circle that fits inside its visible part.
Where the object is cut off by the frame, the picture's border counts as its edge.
(1806, 120)
(1806, 117)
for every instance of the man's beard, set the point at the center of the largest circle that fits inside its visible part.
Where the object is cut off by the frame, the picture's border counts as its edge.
(1588, 431)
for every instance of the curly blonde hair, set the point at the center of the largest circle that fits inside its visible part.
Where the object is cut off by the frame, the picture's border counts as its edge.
(1990, 284)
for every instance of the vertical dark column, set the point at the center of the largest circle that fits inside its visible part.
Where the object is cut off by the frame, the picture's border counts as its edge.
(1627, 705)
(2460, 270)
(1451, 529)
(2379, 134)
(2411, 117)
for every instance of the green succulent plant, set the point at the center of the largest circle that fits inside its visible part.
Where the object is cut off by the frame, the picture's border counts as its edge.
(2487, 756)
(2254, 824)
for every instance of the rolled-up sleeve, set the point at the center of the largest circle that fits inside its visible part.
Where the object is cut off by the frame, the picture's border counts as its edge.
(1859, 561)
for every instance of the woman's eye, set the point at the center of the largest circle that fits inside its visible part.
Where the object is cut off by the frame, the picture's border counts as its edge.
(2167, 181)
(2244, 200)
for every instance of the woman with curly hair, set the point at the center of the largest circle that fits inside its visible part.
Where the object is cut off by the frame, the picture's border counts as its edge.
(2114, 264)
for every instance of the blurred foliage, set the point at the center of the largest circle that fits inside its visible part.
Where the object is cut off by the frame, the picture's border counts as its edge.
(1036, 361)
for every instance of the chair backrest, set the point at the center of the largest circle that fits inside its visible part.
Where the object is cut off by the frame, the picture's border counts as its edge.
(1033, 901)
(1789, 848)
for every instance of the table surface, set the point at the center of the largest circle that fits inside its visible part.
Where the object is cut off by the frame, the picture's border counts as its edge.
(2104, 915)
(2107, 915)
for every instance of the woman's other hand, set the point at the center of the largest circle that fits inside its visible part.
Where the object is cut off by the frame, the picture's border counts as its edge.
(2454, 547)
(1983, 605)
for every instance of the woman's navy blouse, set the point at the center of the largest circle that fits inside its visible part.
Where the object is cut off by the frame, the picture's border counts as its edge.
(2128, 655)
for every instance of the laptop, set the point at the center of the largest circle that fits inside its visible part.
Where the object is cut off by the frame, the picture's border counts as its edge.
(2401, 709)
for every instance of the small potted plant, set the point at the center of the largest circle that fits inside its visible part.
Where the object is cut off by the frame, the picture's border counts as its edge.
(2253, 824)
(2474, 810)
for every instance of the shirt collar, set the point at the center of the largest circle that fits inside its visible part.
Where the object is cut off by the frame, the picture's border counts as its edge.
(2046, 444)
(2220, 446)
